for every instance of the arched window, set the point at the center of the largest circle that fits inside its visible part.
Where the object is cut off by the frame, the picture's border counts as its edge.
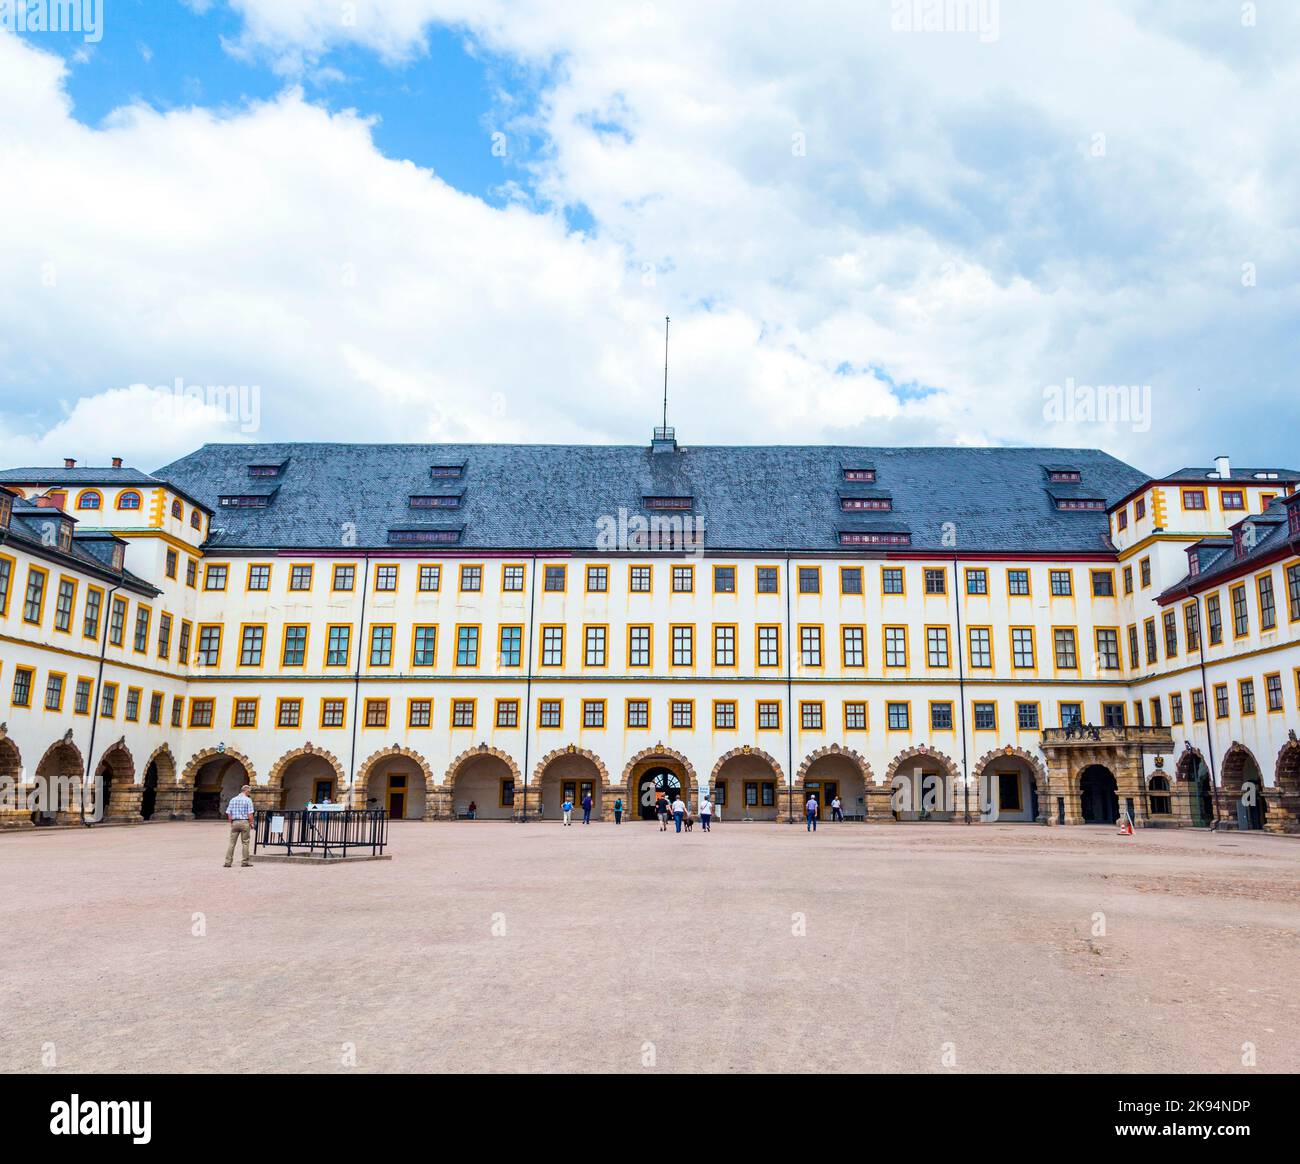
(1161, 801)
(90, 499)
(177, 509)
(196, 520)
(128, 499)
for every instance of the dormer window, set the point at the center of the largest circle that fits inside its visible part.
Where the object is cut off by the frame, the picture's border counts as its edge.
(436, 500)
(245, 500)
(1064, 476)
(860, 538)
(1139, 509)
(447, 472)
(1193, 563)
(1292, 520)
(65, 536)
(866, 504)
(663, 501)
(1243, 538)
(7, 508)
(1074, 504)
(859, 473)
(263, 470)
(119, 556)
(428, 535)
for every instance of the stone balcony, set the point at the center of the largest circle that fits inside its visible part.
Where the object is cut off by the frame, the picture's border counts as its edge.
(1148, 739)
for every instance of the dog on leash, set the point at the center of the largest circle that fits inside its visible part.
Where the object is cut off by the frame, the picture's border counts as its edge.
(688, 821)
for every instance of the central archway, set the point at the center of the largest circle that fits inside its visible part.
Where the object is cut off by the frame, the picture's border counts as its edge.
(1010, 783)
(484, 781)
(748, 784)
(305, 775)
(652, 769)
(1098, 795)
(1193, 772)
(836, 771)
(922, 785)
(1243, 788)
(572, 773)
(213, 778)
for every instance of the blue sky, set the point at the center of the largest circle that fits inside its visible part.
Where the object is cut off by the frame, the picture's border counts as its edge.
(865, 232)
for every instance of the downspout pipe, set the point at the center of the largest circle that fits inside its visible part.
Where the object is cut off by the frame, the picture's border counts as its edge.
(356, 686)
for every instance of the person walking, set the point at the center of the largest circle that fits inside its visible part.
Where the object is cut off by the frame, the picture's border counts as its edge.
(706, 813)
(567, 808)
(618, 810)
(811, 809)
(238, 813)
(661, 811)
(679, 811)
(586, 808)
(837, 813)
(473, 810)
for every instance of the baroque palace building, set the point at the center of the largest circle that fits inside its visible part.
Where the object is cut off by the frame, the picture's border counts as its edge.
(986, 634)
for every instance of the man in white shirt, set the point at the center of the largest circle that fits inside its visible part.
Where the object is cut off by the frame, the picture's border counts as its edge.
(836, 812)
(679, 812)
(811, 809)
(238, 813)
(706, 813)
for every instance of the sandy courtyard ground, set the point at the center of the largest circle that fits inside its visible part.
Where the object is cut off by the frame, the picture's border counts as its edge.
(494, 946)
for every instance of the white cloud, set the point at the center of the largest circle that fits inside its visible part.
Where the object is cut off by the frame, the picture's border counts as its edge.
(940, 218)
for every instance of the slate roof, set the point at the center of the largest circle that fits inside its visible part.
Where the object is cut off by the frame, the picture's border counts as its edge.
(88, 476)
(550, 497)
(1218, 557)
(1239, 476)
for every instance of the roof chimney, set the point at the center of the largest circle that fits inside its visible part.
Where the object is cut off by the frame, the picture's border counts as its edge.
(117, 462)
(1223, 466)
(69, 462)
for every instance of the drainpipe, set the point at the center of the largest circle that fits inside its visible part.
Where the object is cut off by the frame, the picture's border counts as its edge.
(356, 685)
(1201, 632)
(789, 699)
(526, 710)
(961, 690)
(96, 696)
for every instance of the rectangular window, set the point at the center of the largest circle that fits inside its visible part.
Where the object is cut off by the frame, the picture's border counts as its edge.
(1066, 648)
(1246, 694)
(936, 646)
(1273, 692)
(1018, 582)
(638, 713)
(855, 716)
(467, 645)
(510, 646)
(331, 713)
(376, 713)
(339, 646)
(54, 692)
(555, 578)
(1103, 584)
(507, 713)
(201, 713)
(385, 577)
(553, 646)
(1071, 714)
(245, 713)
(381, 646)
(769, 716)
(294, 653)
(891, 580)
(638, 646)
(250, 646)
(981, 646)
(810, 580)
(853, 639)
(1062, 584)
(1128, 579)
(430, 578)
(462, 713)
(850, 579)
(724, 579)
(155, 707)
(941, 717)
(63, 605)
(810, 716)
(724, 715)
(1240, 614)
(766, 580)
(141, 642)
(1027, 717)
(164, 635)
(1232, 499)
(895, 646)
(209, 651)
(81, 698)
(183, 644)
(1267, 606)
(259, 577)
(683, 579)
(1133, 646)
(898, 716)
(724, 645)
(1107, 639)
(471, 579)
(936, 581)
(35, 598)
(683, 713)
(1170, 621)
(1022, 647)
(683, 646)
(1144, 572)
(424, 645)
(597, 579)
(300, 578)
(810, 646)
(22, 693)
(1192, 626)
(1198, 706)
(977, 581)
(116, 621)
(769, 646)
(638, 579)
(512, 578)
(191, 580)
(594, 646)
(1293, 586)
(1149, 637)
(1176, 708)
(1221, 700)
(178, 710)
(345, 578)
(1193, 498)
(986, 717)
(172, 563)
(214, 577)
(1214, 616)
(593, 713)
(419, 713)
(90, 624)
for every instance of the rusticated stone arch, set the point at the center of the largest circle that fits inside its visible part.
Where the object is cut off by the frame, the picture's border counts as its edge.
(854, 757)
(394, 751)
(1234, 768)
(123, 801)
(275, 778)
(922, 751)
(1286, 773)
(63, 764)
(757, 753)
(162, 756)
(1184, 769)
(906, 793)
(661, 750)
(572, 750)
(191, 770)
(449, 777)
(1008, 753)
(12, 813)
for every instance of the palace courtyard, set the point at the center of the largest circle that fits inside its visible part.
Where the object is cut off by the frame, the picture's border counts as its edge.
(487, 946)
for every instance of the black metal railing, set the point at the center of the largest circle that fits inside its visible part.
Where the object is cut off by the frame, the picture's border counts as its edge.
(307, 831)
